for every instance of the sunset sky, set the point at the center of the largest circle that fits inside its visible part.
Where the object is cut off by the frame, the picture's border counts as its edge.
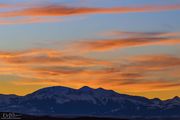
(130, 46)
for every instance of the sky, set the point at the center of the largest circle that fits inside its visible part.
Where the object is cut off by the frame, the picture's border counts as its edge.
(129, 46)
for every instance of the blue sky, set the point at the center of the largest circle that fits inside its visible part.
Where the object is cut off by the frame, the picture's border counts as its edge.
(27, 35)
(70, 35)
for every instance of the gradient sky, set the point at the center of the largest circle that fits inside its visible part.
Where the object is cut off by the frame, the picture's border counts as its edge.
(130, 46)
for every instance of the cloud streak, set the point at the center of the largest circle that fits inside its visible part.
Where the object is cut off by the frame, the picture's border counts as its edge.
(127, 34)
(48, 56)
(111, 44)
(60, 10)
(128, 39)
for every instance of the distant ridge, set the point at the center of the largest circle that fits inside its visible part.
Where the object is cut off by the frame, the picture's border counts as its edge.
(86, 101)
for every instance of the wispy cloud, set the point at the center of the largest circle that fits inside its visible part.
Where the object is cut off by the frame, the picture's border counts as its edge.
(48, 52)
(161, 61)
(110, 44)
(127, 34)
(59, 10)
(128, 39)
(48, 56)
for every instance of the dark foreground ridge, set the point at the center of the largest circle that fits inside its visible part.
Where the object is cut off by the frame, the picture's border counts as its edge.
(86, 101)
(16, 116)
(10, 115)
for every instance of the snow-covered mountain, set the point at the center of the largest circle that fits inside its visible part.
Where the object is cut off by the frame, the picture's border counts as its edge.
(87, 101)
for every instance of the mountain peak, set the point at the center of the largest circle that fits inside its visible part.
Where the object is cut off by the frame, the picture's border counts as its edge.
(100, 89)
(55, 88)
(86, 88)
(51, 90)
(176, 98)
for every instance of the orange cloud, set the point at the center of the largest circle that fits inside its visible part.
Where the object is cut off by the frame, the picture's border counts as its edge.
(41, 52)
(156, 61)
(60, 10)
(110, 44)
(38, 63)
(127, 39)
(42, 56)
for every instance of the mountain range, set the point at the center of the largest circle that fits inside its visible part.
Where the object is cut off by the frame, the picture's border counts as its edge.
(86, 101)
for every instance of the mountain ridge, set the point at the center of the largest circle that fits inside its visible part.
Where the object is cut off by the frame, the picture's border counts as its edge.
(91, 88)
(60, 100)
